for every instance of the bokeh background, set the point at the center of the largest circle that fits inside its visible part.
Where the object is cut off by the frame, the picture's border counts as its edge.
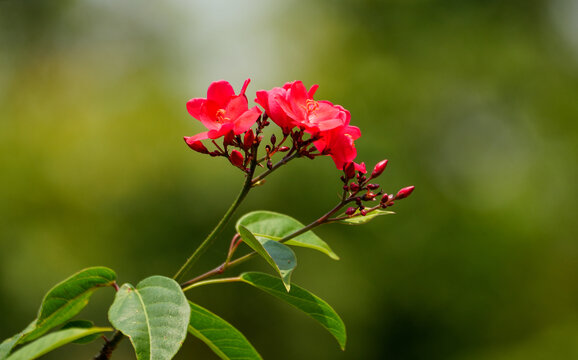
(473, 102)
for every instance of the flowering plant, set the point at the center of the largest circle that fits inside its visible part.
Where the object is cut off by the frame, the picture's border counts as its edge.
(155, 314)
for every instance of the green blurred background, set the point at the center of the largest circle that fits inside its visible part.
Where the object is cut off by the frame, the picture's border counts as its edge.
(473, 102)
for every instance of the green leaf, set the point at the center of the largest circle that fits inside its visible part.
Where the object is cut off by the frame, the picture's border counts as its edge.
(53, 341)
(275, 226)
(81, 324)
(7, 346)
(279, 256)
(302, 300)
(154, 315)
(359, 219)
(226, 341)
(67, 298)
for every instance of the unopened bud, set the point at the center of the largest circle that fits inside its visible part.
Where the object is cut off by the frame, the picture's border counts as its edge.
(229, 138)
(372, 186)
(405, 192)
(269, 164)
(354, 187)
(237, 158)
(349, 170)
(350, 211)
(248, 139)
(196, 145)
(384, 198)
(378, 169)
(363, 212)
(368, 196)
(284, 148)
(273, 139)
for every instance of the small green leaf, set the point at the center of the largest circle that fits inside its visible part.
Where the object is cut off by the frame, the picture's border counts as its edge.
(67, 298)
(275, 226)
(226, 341)
(279, 256)
(154, 315)
(53, 341)
(302, 300)
(358, 219)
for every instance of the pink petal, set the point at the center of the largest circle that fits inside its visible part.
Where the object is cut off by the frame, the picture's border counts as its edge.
(312, 90)
(236, 107)
(245, 84)
(200, 136)
(194, 107)
(246, 120)
(220, 92)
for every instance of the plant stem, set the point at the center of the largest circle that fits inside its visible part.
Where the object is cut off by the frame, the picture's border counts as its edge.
(227, 264)
(214, 281)
(109, 346)
(217, 230)
(282, 162)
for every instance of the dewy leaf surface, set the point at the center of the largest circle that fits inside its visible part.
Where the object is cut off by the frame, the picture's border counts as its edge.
(279, 256)
(226, 341)
(275, 226)
(53, 341)
(67, 298)
(154, 315)
(302, 300)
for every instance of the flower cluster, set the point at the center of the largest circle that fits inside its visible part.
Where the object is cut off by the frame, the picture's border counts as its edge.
(315, 127)
(309, 128)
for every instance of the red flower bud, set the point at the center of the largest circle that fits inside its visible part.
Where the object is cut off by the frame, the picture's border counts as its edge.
(405, 192)
(237, 158)
(384, 198)
(284, 148)
(350, 211)
(349, 170)
(248, 139)
(372, 186)
(354, 187)
(229, 138)
(368, 196)
(273, 139)
(196, 145)
(378, 169)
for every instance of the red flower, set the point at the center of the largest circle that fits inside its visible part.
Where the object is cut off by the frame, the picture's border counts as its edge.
(338, 143)
(292, 105)
(222, 111)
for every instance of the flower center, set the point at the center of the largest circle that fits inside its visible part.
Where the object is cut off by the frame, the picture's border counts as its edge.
(311, 106)
(220, 115)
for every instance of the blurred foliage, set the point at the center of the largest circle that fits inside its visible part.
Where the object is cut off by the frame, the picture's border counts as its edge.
(474, 102)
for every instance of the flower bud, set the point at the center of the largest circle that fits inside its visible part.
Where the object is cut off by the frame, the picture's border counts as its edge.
(354, 187)
(405, 192)
(368, 196)
(196, 145)
(384, 198)
(372, 186)
(248, 139)
(349, 170)
(229, 138)
(350, 211)
(284, 148)
(378, 169)
(273, 139)
(363, 212)
(237, 158)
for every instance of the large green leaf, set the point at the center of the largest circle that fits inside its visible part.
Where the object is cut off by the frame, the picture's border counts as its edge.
(52, 341)
(226, 341)
(154, 315)
(275, 226)
(359, 219)
(302, 300)
(279, 256)
(67, 298)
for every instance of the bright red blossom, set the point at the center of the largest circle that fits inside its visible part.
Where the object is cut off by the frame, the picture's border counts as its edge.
(222, 111)
(293, 106)
(339, 144)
